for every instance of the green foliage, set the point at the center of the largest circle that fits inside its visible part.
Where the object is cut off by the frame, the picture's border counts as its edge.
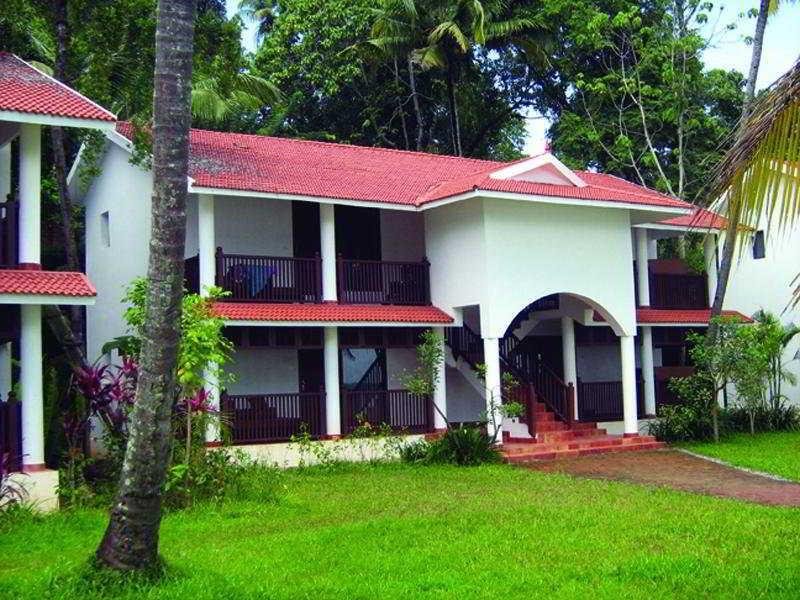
(463, 446)
(430, 356)
(202, 346)
(367, 443)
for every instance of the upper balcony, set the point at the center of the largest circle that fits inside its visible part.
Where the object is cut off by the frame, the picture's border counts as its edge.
(674, 286)
(254, 278)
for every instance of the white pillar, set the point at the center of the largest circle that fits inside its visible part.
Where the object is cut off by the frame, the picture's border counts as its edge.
(648, 371)
(31, 385)
(30, 147)
(628, 360)
(5, 370)
(440, 392)
(213, 429)
(491, 358)
(5, 172)
(569, 359)
(327, 231)
(710, 254)
(333, 419)
(642, 267)
(206, 241)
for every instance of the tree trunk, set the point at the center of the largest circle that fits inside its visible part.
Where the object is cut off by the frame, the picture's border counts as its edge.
(752, 422)
(715, 419)
(729, 247)
(58, 140)
(131, 539)
(400, 108)
(455, 129)
(412, 82)
(755, 59)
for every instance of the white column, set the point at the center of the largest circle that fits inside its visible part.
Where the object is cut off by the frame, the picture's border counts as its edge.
(206, 241)
(568, 357)
(31, 385)
(648, 371)
(5, 172)
(207, 250)
(440, 392)
(5, 370)
(710, 254)
(491, 358)
(30, 147)
(628, 359)
(642, 267)
(333, 419)
(327, 232)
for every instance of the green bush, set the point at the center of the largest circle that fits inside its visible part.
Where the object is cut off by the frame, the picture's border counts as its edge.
(464, 446)
(766, 418)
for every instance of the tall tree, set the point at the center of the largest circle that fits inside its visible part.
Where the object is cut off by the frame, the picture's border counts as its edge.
(738, 208)
(131, 538)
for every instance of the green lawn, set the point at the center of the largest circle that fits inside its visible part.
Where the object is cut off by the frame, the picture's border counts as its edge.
(438, 532)
(777, 453)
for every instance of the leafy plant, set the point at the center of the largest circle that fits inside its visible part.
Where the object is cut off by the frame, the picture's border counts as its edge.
(463, 446)
(11, 489)
(424, 379)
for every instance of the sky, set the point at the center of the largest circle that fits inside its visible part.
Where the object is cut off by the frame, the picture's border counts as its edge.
(728, 49)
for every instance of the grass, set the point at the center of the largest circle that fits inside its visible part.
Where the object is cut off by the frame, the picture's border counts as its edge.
(777, 453)
(398, 531)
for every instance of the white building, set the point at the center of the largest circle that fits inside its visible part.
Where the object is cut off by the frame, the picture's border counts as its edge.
(336, 256)
(29, 101)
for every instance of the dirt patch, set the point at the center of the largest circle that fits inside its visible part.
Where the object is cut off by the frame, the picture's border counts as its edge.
(673, 469)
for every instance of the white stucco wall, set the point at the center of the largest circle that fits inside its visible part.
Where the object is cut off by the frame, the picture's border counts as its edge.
(766, 283)
(253, 225)
(402, 235)
(533, 250)
(464, 403)
(454, 241)
(263, 371)
(123, 190)
(398, 362)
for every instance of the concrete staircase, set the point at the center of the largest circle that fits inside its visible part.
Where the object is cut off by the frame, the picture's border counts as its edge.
(553, 440)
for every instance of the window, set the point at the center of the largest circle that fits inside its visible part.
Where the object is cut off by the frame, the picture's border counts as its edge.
(105, 230)
(759, 250)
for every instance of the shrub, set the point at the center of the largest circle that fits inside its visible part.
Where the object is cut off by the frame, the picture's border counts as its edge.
(765, 418)
(464, 446)
(12, 492)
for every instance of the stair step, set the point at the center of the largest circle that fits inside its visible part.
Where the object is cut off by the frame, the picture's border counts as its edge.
(538, 452)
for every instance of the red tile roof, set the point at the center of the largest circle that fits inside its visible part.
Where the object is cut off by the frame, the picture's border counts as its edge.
(656, 316)
(255, 163)
(50, 283)
(330, 312)
(25, 89)
(699, 219)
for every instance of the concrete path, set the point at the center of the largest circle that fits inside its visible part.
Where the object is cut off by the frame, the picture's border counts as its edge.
(681, 471)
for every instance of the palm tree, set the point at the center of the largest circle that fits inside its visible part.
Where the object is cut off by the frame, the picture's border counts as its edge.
(217, 97)
(260, 11)
(749, 134)
(760, 175)
(131, 538)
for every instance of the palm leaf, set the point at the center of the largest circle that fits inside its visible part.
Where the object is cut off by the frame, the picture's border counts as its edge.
(453, 31)
(430, 57)
(261, 88)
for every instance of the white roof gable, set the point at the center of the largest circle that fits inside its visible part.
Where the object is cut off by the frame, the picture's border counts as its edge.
(544, 168)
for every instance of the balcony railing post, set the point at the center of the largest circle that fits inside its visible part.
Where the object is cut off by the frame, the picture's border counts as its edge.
(219, 261)
(426, 280)
(318, 276)
(340, 278)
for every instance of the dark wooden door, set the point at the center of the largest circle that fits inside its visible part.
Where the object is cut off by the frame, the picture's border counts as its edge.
(311, 370)
(358, 233)
(305, 229)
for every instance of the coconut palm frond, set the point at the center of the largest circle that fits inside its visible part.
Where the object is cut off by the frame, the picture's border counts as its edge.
(453, 31)
(430, 57)
(208, 105)
(263, 89)
(498, 29)
(760, 174)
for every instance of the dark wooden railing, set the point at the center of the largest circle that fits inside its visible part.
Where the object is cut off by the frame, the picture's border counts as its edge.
(400, 409)
(383, 282)
(9, 249)
(11, 432)
(678, 291)
(252, 278)
(465, 343)
(602, 401)
(273, 417)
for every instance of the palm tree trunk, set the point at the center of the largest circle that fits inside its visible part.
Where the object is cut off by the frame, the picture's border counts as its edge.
(58, 141)
(755, 59)
(131, 539)
(412, 82)
(728, 248)
(455, 133)
(400, 108)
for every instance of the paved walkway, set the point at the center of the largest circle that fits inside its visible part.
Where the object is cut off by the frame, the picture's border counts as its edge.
(678, 470)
